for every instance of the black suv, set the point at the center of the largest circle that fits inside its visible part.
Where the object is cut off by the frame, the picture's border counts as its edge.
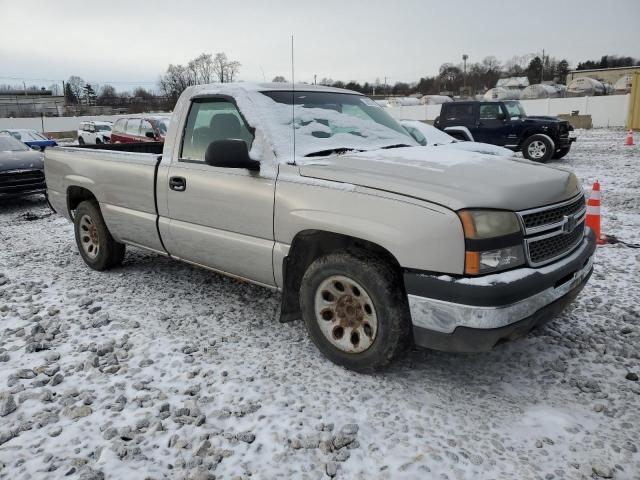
(506, 124)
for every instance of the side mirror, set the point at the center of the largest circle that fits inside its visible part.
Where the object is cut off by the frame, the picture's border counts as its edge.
(36, 147)
(230, 153)
(502, 117)
(150, 134)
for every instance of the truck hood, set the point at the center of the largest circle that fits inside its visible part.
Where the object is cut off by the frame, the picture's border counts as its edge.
(455, 179)
(20, 160)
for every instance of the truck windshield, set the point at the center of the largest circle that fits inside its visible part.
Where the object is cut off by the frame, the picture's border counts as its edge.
(327, 122)
(515, 109)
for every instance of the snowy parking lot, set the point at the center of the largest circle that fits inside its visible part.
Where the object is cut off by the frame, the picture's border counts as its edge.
(158, 369)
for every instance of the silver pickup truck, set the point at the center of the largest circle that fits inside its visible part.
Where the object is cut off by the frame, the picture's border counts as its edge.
(374, 241)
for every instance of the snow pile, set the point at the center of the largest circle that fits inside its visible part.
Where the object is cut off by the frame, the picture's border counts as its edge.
(159, 369)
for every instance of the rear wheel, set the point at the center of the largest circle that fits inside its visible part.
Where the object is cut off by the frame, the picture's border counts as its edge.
(80, 141)
(97, 247)
(355, 310)
(561, 152)
(538, 148)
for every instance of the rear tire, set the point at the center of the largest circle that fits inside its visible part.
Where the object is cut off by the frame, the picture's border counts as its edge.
(538, 148)
(355, 310)
(97, 247)
(80, 141)
(561, 152)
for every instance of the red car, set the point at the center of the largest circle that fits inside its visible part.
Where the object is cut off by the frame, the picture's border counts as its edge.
(139, 129)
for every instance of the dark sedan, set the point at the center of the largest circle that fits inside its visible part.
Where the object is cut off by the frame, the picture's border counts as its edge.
(21, 169)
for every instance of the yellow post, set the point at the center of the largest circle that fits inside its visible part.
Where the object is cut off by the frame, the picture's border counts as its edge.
(633, 120)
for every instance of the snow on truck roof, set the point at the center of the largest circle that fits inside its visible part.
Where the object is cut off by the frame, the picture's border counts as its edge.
(221, 88)
(320, 125)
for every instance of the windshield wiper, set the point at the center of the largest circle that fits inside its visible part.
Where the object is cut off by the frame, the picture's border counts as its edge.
(398, 145)
(337, 151)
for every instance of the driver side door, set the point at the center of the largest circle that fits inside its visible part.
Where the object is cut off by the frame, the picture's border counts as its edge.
(221, 218)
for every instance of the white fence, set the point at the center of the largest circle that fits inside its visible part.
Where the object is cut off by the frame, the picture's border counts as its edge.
(606, 111)
(61, 124)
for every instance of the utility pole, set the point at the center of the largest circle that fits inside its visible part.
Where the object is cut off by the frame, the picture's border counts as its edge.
(314, 78)
(542, 67)
(64, 95)
(464, 75)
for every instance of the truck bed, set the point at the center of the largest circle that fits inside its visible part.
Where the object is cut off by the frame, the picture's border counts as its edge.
(123, 181)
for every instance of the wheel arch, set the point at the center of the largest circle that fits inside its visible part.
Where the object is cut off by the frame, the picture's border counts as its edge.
(307, 246)
(77, 195)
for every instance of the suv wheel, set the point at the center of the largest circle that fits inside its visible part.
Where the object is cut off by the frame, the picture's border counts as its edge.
(355, 310)
(561, 152)
(538, 148)
(97, 247)
(80, 141)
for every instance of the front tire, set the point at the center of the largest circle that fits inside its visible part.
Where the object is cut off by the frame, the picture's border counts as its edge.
(355, 310)
(97, 247)
(538, 148)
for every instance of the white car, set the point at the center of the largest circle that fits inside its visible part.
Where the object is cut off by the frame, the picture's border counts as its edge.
(94, 133)
(426, 134)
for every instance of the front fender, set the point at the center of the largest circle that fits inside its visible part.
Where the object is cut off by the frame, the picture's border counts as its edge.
(418, 234)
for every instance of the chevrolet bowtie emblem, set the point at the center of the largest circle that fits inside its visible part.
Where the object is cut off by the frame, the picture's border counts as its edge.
(568, 224)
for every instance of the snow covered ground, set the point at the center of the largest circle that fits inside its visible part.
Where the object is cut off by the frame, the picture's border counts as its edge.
(162, 370)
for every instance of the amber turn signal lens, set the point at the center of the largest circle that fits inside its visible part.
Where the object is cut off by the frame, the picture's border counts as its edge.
(472, 263)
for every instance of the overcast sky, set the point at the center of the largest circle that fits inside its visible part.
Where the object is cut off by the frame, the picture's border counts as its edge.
(132, 42)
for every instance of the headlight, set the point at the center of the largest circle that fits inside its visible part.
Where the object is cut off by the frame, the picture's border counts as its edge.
(493, 241)
(479, 224)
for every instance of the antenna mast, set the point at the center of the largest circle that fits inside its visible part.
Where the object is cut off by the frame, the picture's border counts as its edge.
(293, 102)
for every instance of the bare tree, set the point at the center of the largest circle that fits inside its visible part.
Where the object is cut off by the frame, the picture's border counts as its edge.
(76, 85)
(225, 69)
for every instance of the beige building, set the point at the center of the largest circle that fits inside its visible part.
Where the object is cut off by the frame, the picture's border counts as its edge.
(606, 75)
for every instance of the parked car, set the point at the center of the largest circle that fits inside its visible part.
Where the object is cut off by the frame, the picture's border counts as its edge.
(21, 169)
(139, 129)
(505, 123)
(426, 134)
(31, 138)
(374, 240)
(94, 132)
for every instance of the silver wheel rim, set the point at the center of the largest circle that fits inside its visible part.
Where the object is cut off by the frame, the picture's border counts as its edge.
(89, 236)
(537, 149)
(345, 314)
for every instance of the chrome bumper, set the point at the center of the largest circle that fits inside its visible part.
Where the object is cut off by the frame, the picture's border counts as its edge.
(445, 316)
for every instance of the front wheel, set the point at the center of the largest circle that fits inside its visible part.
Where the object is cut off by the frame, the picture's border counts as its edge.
(561, 152)
(97, 247)
(538, 148)
(355, 310)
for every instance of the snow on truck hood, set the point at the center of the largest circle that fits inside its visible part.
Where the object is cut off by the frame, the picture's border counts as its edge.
(448, 177)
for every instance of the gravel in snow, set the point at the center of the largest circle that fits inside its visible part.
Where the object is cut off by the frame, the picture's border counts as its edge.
(158, 369)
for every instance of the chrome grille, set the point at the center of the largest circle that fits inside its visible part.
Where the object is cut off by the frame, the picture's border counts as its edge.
(540, 251)
(554, 231)
(551, 215)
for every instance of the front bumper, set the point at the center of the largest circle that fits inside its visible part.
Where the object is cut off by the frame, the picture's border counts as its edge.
(474, 314)
(564, 142)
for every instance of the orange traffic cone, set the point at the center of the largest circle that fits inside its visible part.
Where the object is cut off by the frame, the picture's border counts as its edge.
(630, 138)
(593, 212)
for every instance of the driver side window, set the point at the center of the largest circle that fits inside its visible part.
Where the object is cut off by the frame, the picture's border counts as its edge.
(210, 120)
